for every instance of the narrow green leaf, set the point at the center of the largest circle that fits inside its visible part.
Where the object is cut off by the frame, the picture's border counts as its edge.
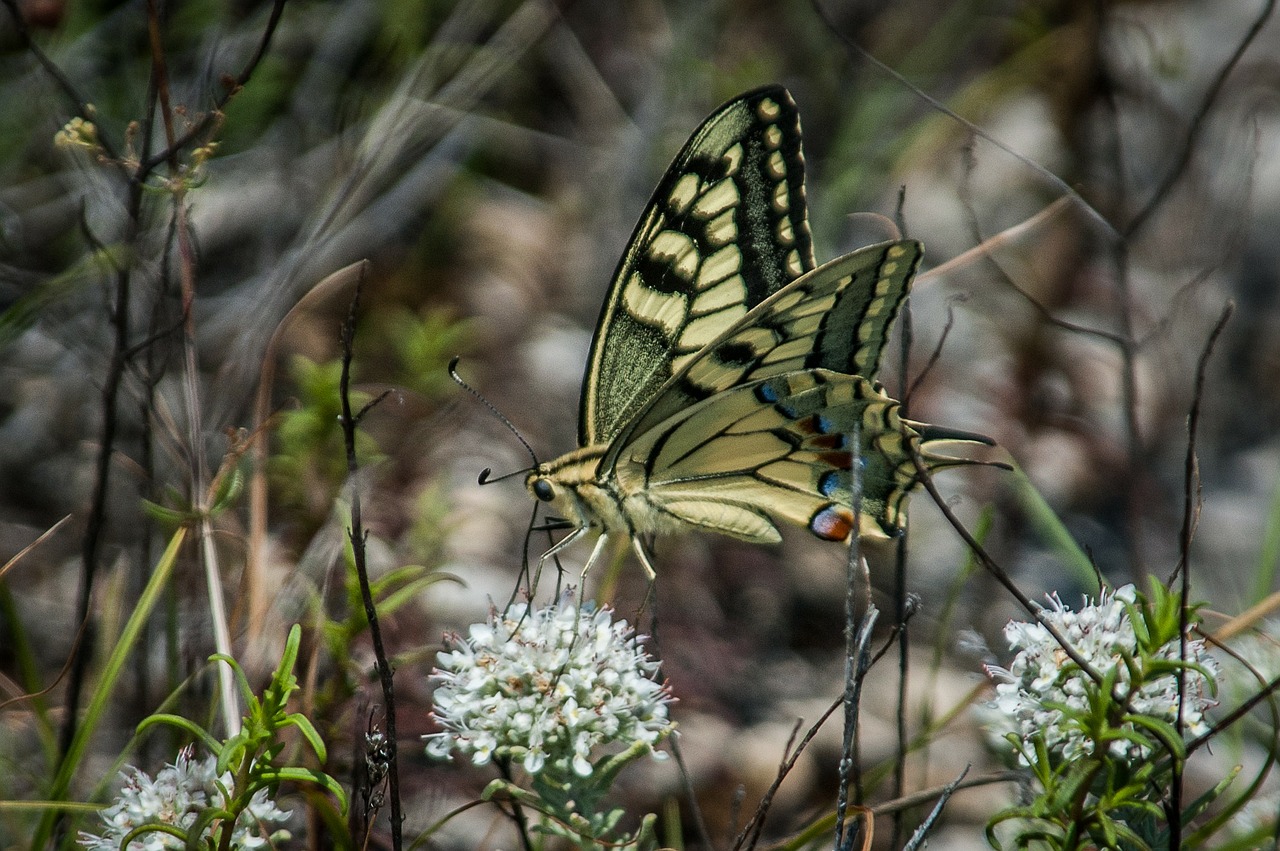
(309, 732)
(1049, 526)
(197, 732)
(115, 664)
(1269, 554)
(306, 775)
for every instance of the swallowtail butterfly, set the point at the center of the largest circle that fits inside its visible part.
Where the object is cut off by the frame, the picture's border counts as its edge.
(729, 372)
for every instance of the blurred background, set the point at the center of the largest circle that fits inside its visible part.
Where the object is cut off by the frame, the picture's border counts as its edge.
(490, 159)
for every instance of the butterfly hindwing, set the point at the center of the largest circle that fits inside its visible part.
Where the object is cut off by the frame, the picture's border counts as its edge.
(778, 449)
(726, 228)
(835, 317)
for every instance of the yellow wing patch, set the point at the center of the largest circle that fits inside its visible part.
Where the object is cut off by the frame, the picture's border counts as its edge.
(781, 448)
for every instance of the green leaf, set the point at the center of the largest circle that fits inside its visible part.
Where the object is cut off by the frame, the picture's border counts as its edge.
(274, 776)
(309, 732)
(1047, 524)
(115, 665)
(1163, 731)
(195, 730)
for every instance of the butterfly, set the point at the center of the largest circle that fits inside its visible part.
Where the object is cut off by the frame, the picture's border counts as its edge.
(732, 381)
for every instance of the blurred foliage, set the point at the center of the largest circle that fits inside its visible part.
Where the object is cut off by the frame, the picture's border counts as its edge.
(427, 535)
(342, 627)
(424, 346)
(311, 464)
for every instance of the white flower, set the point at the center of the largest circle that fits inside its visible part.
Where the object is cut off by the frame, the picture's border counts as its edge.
(1042, 675)
(175, 797)
(546, 687)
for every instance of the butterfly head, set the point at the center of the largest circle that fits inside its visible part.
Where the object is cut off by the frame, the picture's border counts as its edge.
(557, 489)
(541, 486)
(568, 487)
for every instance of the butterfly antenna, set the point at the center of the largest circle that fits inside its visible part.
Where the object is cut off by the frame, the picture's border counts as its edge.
(525, 572)
(484, 474)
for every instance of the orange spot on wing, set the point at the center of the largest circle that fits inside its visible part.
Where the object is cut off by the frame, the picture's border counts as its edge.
(833, 523)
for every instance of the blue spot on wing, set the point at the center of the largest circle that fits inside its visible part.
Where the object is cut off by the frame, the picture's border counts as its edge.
(768, 392)
(775, 392)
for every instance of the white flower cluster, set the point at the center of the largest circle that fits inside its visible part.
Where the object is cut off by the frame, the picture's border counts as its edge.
(1042, 675)
(547, 686)
(175, 797)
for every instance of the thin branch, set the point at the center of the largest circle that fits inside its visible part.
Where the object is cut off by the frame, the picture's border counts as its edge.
(1240, 712)
(856, 665)
(1190, 478)
(999, 240)
(80, 104)
(754, 827)
(785, 769)
(918, 839)
(1197, 124)
(357, 535)
(934, 357)
(1261, 680)
(901, 615)
(44, 536)
(1249, 618)
(212, 115)
(924, 796)
(1190, 493)
(1057, 182)
(62, 672)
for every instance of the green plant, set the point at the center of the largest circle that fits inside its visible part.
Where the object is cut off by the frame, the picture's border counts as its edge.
(1101, 739)
(225, 800)
(311, 465)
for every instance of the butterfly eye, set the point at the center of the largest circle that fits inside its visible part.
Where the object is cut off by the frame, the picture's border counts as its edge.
(542, 490)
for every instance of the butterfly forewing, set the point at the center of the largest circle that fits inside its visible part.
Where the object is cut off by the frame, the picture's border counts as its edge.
(726, 228)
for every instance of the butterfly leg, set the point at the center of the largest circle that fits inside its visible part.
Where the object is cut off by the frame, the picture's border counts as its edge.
(556, 548)
(645, 561)
(601, 543)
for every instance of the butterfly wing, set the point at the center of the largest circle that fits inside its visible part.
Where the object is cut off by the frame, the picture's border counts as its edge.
(834, 318)
(775, 449)
(726, 228)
